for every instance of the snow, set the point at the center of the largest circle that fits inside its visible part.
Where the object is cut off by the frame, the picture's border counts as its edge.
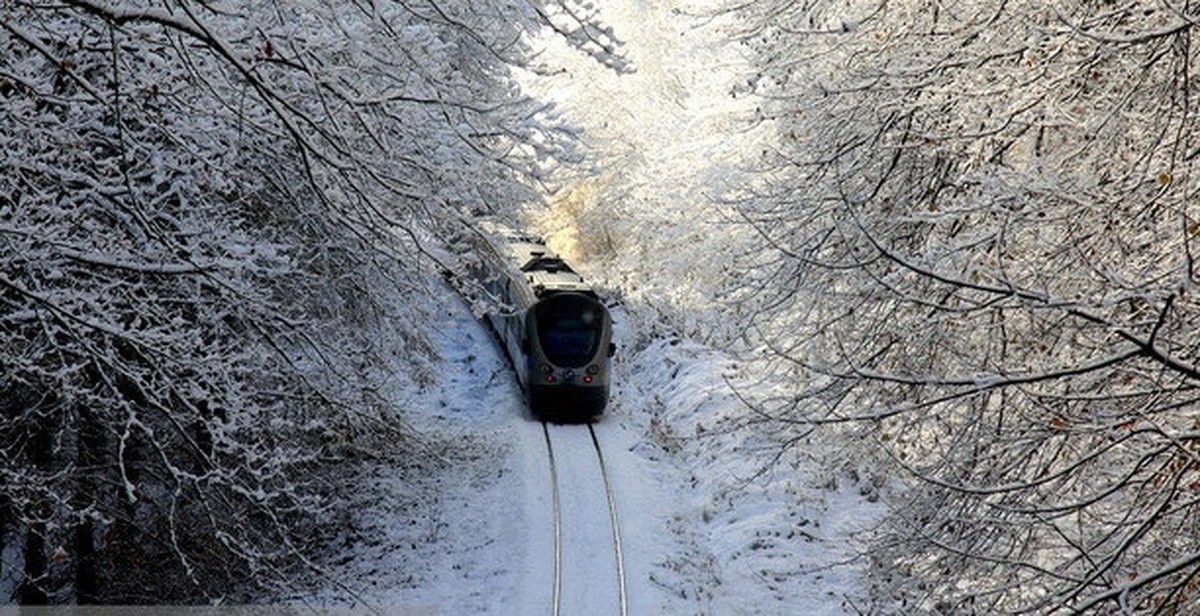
(705, 528)
(717, 516)
(590, 580)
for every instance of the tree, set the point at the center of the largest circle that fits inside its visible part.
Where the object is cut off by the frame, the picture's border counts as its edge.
(207, 214)
(977, 237)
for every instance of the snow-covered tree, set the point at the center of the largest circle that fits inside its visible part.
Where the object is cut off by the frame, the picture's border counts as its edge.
(214, 218)
(977, 236)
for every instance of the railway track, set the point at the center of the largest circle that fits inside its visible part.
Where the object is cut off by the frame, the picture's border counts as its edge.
(589, 565)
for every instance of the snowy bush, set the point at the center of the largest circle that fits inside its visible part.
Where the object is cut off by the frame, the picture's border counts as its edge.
(976, 245)
(211, 217)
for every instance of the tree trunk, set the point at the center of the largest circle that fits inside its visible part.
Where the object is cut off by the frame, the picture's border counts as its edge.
(89, 458)
(34, 589)
(87, 574)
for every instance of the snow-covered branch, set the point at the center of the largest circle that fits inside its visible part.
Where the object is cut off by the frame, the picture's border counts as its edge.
(215, 218)
(976, 236)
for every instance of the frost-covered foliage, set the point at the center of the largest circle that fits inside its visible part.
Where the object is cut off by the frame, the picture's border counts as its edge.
(661, 143)
(207, 211)
(978, 239)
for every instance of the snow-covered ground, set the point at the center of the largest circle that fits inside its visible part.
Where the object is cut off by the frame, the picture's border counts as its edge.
(705, 528)
(713, 519)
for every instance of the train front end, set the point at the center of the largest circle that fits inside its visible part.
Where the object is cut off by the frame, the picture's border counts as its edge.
(570, 356)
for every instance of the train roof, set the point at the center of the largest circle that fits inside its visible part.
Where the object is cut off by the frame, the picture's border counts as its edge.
(543, 269)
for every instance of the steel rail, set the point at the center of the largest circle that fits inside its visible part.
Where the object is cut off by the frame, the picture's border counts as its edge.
(616, 526)
(556, 601)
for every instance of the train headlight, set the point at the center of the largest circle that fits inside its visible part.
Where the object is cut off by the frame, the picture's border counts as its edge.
(593, 369)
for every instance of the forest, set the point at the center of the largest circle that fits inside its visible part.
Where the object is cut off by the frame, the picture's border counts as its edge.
(200, 206)
(962, 258)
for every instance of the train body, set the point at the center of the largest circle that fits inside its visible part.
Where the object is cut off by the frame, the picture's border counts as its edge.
(550, 323)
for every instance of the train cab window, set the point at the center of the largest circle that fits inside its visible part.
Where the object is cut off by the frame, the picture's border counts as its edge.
(545, 263)
(569, 328)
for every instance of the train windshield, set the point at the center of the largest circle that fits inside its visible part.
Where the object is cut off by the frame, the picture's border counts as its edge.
(569, 328)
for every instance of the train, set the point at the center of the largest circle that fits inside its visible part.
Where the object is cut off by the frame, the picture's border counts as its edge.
(554, 328)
